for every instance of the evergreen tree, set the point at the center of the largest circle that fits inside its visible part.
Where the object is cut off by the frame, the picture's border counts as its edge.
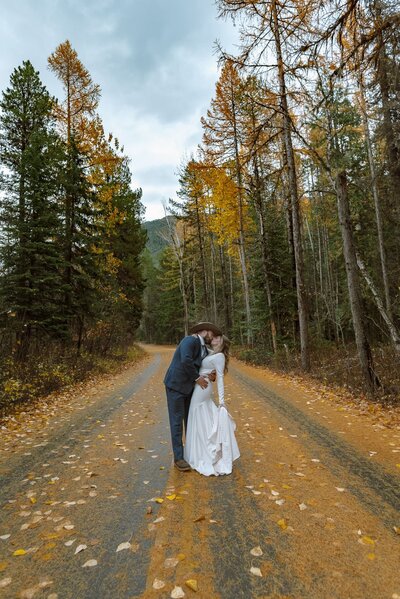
(32, 159)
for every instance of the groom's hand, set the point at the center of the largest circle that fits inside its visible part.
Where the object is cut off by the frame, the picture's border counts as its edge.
(212, 376)
(202, 381)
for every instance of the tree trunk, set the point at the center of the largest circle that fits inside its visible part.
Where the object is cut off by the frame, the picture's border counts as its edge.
(294, 200)
(370, 379)
(259, 206)
(378, 214)
(241, 241)
(384, 313)
(225, 291)
(202, 261)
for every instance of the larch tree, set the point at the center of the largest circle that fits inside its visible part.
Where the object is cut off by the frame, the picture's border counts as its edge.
(268, 31)
(222, 143)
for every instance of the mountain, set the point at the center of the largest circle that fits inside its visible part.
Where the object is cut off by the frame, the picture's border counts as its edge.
(157, 235)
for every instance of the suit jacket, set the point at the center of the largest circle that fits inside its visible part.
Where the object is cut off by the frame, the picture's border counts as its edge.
(185, 366)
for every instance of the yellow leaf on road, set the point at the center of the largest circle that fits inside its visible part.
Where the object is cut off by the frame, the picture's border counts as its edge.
(19, 552)
(365, 540)
(282, 523)
(192, 584)
(171, 497)
(159, 500)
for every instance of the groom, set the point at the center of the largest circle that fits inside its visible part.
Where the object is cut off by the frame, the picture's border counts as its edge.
(180, 379)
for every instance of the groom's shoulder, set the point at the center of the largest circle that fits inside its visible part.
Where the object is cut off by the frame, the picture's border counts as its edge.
(190, 341)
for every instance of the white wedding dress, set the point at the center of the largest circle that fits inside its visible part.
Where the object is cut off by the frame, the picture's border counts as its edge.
(210, 446)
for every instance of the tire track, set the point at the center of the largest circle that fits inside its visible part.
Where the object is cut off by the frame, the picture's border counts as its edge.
(18, 466)
(376, 489)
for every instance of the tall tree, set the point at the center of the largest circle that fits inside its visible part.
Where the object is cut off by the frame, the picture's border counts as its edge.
(33, 157)
(266, 25)
(222, 143)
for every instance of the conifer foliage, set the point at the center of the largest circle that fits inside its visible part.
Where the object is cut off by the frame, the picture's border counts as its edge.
(70, 221)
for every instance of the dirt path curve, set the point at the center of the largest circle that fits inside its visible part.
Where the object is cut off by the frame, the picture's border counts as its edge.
(311, 510)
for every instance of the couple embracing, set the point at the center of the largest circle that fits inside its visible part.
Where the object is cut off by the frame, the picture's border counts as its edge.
(200, 359)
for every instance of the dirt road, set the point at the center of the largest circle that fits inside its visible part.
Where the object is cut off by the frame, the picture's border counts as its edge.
(311, 510)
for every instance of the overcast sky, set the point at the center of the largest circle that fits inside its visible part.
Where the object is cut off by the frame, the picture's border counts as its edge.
(153, 59)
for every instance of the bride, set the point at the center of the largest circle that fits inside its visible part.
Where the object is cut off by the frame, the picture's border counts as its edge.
(211, 446)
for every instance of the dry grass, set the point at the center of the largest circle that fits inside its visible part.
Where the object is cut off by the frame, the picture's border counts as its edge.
(338, 367)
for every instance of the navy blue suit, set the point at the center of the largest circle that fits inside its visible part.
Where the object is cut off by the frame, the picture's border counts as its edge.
(179, 381)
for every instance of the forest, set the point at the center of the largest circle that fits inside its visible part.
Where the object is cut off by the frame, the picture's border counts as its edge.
(71, 238)
(285, 229)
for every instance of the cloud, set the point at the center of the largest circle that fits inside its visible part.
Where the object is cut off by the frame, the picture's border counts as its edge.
(154, 62)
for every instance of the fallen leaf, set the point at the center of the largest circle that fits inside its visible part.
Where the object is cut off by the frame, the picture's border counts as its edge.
(122, 546)
(149, 509)
(19, 552)
(158, 584)
(199, 518)
(90, 563)
(80, 548)
(5, 582)
(171, 497)
(371, 556)
(192, 584)
(159, 500)
(177, 593)
(256, 551)
(171, 562)
(282, 523)
(302, 506)
(255, 571)
(366, 540)
(5, 537)
(340, 489)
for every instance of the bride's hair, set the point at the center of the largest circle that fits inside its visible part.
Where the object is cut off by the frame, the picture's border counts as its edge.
(224, 349)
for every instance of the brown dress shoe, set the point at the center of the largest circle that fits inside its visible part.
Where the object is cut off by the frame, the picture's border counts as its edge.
(182, 465)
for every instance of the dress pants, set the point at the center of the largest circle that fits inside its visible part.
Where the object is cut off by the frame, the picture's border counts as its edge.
(178, 410)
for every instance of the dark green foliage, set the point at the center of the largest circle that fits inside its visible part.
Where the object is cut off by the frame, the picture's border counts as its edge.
(71, 279)
(31, 256)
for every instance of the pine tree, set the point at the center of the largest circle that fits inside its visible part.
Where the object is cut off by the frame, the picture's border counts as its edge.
(32, 158)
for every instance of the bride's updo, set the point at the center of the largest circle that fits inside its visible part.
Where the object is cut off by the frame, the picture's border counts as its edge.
(224, 349)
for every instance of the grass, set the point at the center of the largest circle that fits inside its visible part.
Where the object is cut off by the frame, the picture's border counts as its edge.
(24, 383)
